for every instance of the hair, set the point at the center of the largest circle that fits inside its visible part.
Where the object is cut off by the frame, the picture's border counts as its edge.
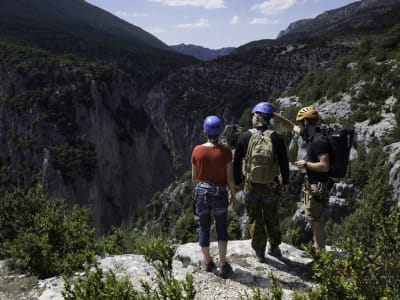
(212, 138)
(265, 117)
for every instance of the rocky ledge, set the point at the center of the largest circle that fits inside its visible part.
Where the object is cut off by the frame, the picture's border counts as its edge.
(292, 273)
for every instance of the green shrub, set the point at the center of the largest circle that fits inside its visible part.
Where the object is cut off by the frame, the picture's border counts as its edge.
(362, 271)
(59, 241)
(17, 211)
(42, 235)
(73, 160)
(275, 292)
(99, 286)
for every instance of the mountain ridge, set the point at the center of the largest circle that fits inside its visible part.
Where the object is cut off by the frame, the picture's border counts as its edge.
(78, 17)
(359, 15)
(202, 53)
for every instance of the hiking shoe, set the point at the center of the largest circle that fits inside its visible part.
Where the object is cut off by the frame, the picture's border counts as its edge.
(209, 267)
(275, 252)
(226, 269)
(260, 256)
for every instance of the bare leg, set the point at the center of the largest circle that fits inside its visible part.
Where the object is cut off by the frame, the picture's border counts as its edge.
(319, 234)
(222, 246)
(206, 254)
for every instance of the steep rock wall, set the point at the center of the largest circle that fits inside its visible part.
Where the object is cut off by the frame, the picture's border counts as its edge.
(86, 139)
(226, 87)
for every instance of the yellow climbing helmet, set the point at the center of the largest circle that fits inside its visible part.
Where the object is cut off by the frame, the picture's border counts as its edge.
(307, 112)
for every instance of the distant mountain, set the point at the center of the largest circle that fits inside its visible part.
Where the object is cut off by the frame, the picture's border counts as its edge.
(76, 27)
(360, 16)
(345, 25)
(202, 53)
(76, 17)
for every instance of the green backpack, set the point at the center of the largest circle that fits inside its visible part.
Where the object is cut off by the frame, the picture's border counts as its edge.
(260, 164)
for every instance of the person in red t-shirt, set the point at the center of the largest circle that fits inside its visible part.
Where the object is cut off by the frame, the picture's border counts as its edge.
(212, 172)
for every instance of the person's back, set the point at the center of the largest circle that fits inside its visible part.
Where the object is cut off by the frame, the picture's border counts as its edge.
(211, 174)
(262, 196)
(211, 160)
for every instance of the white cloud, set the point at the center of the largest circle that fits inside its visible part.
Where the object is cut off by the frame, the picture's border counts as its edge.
(207, 4)
(273, 7)
(124, 14)
(235, 20)
(202, 23)
(262, 21)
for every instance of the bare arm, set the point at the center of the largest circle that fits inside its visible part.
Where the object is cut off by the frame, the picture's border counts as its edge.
(321, 166)
(194, 173)
(287, 123)
(231, 183)
(284, 121)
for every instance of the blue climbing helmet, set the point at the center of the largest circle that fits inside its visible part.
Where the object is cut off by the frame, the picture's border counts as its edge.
(212, 126)
(264, 108)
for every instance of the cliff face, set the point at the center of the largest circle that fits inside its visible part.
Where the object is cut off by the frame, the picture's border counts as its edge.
(226, 87)
(87, 135)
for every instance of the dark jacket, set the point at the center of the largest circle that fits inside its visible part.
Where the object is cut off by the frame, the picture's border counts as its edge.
(279, 149)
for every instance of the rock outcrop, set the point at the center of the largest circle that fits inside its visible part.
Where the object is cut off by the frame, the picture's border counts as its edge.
(293, 274)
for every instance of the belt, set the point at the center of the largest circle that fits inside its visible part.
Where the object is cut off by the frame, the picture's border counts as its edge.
(212, 187)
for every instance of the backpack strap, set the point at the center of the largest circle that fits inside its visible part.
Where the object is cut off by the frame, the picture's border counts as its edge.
(254, 133)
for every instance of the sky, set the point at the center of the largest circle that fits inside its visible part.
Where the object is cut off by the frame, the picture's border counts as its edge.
(215, 24)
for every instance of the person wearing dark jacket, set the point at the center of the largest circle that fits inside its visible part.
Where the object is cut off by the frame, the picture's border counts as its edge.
(317, 165)
(262, 199)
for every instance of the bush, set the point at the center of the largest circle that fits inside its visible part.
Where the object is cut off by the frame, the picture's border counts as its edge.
(60, 241)
(99, 286)
(360, 271)
(17, 211)
(42, 235)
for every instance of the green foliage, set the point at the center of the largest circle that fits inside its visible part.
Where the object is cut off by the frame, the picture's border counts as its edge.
(42, 235)
(74, 160)
(128, 238)
(360, 271)
(377, 200)
(97, 285)
(59, 241)
(173, 218)
(17, 212)
(374, 63)
(368, 267)
(275, 293)
(245, 119)
(231, 135)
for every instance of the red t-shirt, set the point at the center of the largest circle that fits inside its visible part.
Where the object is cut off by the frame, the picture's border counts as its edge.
(211, 163)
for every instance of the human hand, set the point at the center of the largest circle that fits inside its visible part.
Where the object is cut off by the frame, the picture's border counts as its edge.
(297, 129)
(232, 200)
(301, 164)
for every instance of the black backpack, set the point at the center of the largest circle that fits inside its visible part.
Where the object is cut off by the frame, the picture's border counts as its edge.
(340, 140)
